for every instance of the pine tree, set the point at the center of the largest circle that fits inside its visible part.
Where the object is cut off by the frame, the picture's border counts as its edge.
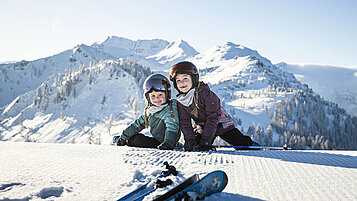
(109, 123)
(269, 136)
(251, 130)
(103, 100)
(239, 122)
(21, 123)
(91, 138)
(135, 105)
(258, 135)
(74, 91)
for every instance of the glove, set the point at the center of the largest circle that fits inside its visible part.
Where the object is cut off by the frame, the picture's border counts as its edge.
(115, 139)
(190, 145)
(205, 145)
(121, 142)
(198, 130)
(164, 146)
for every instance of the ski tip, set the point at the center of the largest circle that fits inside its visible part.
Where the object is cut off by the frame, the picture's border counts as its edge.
(225, 180)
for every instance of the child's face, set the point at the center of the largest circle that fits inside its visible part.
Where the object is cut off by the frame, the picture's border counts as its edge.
(157, 98)
(183, 82)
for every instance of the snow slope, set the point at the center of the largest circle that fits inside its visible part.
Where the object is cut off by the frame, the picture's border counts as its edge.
(336, 84)
(45, 171)
(77, 106)
(22, 77)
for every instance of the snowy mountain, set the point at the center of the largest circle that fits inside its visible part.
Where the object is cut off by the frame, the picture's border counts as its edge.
(21, 77)
(336, 84)
(240, 76)
(173, 53)
(122, 47)
(270, 104)
(87, 94)
(156, 54)
(78, 106)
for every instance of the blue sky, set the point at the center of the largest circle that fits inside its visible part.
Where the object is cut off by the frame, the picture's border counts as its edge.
(314, 32)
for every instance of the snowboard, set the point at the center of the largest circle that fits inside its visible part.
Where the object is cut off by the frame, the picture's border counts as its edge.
(213, 182)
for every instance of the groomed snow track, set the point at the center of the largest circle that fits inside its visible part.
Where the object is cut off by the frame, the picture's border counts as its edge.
(31, 171)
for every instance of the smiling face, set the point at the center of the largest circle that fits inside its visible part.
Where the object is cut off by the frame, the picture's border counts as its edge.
(157, 98)
(183, 82)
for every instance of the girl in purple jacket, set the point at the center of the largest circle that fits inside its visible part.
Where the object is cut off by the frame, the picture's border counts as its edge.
(196, 101)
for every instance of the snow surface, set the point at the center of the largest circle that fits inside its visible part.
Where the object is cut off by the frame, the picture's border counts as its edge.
(47, 171)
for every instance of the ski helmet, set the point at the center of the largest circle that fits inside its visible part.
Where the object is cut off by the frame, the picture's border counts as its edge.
(157, 82)
(184, 67)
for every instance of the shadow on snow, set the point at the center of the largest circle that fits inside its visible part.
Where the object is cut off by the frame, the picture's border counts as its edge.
(230, 196)
(307, 157)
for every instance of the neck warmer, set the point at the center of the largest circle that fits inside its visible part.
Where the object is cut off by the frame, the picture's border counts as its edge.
(153, 109)
(187, 99)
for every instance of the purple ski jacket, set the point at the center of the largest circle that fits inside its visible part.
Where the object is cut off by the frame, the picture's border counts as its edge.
(211, 116)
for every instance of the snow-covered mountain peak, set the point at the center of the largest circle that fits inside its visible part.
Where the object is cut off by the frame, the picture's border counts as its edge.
(174, 52)
(79, 48)
(229, 56)
(184, 46)
(230, 50)
(116, 41)
(123, 47)
(75, 49)
(231, 44)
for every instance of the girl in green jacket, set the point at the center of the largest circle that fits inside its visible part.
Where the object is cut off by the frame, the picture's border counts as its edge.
(160, 115)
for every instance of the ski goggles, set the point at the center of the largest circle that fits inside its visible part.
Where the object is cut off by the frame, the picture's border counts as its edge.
(155, 84)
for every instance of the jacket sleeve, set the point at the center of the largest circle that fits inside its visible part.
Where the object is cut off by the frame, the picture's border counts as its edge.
(185, 123)
(172, 127)
(134, 128)
(213, 108)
